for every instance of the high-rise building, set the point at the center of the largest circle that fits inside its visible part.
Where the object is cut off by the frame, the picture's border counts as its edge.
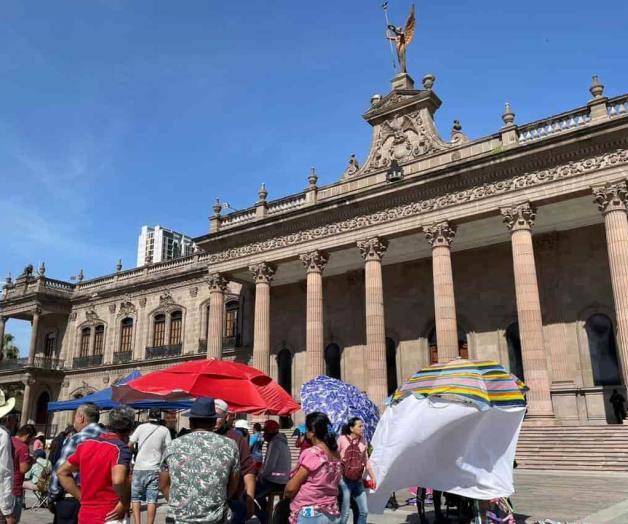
(157, 244)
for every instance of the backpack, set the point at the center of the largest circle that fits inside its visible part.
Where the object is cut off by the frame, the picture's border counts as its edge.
(43, 482)
(353, 461)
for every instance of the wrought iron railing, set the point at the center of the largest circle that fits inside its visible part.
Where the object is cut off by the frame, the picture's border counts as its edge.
(13, 363)
(122, 357)
(173, 350)
(231, 342)
(202, 346)
(87, 362)
(44, 362)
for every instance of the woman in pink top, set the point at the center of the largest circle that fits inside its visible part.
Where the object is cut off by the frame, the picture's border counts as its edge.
(314, 486)
(354, 455)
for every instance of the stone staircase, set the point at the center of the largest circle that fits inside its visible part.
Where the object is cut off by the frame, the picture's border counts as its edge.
(590, 448)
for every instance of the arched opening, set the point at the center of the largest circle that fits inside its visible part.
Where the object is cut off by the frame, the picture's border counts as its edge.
(41, 409)
(332, 361)
(463, 347)
(284, 366)
(159, 330)
(514, 350)
(391, 365)
(176, 324)
(603, 350)
(50, 345)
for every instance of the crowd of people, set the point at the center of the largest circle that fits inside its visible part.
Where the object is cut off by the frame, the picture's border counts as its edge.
(216, 471)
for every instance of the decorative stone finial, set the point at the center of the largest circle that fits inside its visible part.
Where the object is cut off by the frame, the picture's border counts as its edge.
(119, 265)
(597, 88)
(428, 81)
(312, 178)
(9, 280)
(457, 136)
(217, 207)
(376, 99)
(262, 193)
(508, 116)
(42, 269)
(353, 166)
(80, 276)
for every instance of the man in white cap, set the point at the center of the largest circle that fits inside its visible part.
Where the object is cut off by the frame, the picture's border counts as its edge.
(242, 504)
(7, 500)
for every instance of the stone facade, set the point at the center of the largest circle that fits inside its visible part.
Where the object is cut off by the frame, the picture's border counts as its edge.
(428, 250)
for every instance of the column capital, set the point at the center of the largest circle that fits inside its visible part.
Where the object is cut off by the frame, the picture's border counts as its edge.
(315, 261)
(263, 272)
(28, 380)
(36, 311)
(442, 234)
(519, 217)
(217, 283)
(611, 197)
(372, 248)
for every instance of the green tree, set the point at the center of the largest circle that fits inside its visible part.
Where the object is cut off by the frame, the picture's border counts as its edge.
(9, 349)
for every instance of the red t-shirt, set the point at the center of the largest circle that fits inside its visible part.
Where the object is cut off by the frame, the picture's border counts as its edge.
(20, 456)
(95, 457)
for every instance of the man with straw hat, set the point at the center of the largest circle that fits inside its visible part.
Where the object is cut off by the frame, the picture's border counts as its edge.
(7, 500)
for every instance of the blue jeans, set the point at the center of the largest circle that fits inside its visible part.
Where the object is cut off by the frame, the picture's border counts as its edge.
(319, 518)
(355, 489)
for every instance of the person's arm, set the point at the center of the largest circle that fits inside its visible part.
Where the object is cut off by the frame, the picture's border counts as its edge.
(294, 484)
(66, 479)
(122, 487)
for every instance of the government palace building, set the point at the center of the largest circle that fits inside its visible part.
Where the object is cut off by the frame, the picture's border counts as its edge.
(511, 247)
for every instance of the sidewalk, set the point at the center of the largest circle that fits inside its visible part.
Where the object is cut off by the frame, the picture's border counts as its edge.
(574, 497)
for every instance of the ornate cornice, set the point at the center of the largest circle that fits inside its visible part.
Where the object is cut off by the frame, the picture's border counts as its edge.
(217, 283)
(442, 234)
(420, 207)
(611, 197)
(519, 217)
(373, 248)
(263, 272)
(314, 261)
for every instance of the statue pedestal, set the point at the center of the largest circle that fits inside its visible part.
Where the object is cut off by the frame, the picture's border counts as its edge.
(402, 81)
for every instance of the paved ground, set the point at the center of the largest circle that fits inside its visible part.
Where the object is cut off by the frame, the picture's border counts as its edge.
(560, 496)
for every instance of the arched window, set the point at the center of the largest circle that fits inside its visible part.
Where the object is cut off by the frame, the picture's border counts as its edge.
(126, 335)
(99, 339)
(332, 361)
(176, 319)
(231, 319)
(86, 333)
(514, 350)
(159, 330)
(284, 365)
(49, 345)
(41, 409)
(603, 350)
(391, 365)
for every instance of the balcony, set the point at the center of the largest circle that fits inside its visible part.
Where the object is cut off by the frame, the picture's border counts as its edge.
(87, 362)
(228, 344)
(122, 357)
(173, 350)
(40, 361)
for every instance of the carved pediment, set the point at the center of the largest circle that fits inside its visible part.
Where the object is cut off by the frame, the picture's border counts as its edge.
(91, 315)
(165, 299)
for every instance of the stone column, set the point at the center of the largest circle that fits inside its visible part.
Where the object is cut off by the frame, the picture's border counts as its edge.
(263, 273)
(314, 263)
(611, 200)
(520, 219)
(26, 399)
(372, 251)
(440, 237)
(3, 322)
(34, 332)
(216, 321)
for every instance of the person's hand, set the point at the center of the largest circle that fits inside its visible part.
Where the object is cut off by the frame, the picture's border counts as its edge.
(250, 507)
(117, 513)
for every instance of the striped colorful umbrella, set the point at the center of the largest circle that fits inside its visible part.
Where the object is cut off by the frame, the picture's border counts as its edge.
(484, 383)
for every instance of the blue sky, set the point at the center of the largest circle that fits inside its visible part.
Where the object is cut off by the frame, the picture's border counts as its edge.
(117, 113)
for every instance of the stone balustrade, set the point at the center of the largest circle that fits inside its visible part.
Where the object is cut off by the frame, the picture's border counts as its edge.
(238, 217)
(552, 126)
(286, 204)
(617, 106)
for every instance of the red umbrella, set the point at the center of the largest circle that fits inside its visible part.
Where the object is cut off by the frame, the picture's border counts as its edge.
(245, 389)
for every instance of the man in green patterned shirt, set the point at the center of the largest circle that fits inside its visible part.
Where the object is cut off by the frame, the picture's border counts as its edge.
(200, 470)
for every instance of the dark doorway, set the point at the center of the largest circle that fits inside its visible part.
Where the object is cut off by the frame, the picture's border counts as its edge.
(391, 365)
(41, 409)
(514, 350)
(332, 361)
(463, 347)
(603, 350)
(284, 365)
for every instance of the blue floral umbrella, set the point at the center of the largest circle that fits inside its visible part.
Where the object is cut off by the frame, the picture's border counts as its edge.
(340, 401)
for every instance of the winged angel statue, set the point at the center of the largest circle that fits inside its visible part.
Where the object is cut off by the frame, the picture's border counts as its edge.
(402, 38)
